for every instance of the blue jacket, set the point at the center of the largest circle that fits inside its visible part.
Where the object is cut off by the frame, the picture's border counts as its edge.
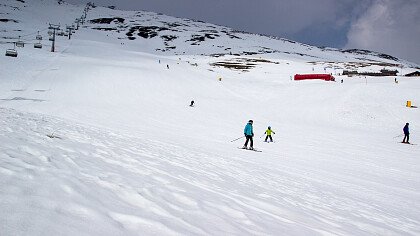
(248, 129)
(406, 130)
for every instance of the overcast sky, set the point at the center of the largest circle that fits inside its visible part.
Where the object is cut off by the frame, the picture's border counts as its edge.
(389, 26)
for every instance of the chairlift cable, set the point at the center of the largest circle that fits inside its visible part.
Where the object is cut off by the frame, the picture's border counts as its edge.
(38, 31)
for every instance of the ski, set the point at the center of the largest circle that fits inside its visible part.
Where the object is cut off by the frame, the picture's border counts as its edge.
(255, 150)
(409, 143)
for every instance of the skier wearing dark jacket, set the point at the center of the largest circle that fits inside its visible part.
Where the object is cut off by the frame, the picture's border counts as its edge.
(249, 133)
(406, 134)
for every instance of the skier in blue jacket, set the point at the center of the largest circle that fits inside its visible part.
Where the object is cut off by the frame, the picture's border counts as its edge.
(406, 133)
(249, 133)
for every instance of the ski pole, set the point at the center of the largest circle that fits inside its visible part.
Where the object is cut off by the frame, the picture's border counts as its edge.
(398, 136)
(237, 139)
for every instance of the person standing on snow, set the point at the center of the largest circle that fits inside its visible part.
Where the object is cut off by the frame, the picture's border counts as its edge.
(249, 133)
(192, 103)
(406, 133)
(268, 133)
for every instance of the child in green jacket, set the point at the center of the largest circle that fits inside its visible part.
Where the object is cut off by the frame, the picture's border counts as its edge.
(268, 132)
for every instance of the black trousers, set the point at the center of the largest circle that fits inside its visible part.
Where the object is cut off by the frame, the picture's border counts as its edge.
(249, 138)
(268, 136)
(406, 136)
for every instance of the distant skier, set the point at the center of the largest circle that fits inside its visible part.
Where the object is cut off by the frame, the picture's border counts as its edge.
(192, 103)
(249, 133)
(406, 133)
(268, 133)
(167, 66)
(342, 80)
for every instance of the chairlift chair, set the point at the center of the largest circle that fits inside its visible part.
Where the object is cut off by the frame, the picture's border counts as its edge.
(37, 45)
(38, 36)
(51, 38)
(50, 32)
(11, 53)
(20, 44)
(61, 33)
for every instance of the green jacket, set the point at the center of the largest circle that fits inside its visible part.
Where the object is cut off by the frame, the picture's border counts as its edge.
(269, 131)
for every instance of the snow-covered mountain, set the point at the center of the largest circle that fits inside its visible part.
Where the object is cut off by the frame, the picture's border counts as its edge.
(97, 138)
(159, 34)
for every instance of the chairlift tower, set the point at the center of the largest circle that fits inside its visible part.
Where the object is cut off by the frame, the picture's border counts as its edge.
(78, 23)
(54, 28)
(70, 30)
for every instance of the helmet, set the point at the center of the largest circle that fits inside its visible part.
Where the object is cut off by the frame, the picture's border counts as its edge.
(269, 127)
(250, 121)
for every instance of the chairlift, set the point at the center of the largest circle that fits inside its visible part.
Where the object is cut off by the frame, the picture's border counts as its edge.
(37, 45)
(50, 32)
(61, 33)
(20, 44)
(11, 53)
(38, 37)
(51, 38)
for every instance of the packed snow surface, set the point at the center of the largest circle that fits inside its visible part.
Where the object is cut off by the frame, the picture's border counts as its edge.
(98, 138)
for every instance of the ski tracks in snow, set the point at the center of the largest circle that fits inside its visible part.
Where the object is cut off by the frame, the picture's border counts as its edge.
(100, 182)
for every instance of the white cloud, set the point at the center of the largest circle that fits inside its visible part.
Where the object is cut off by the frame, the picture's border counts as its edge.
(389, 26)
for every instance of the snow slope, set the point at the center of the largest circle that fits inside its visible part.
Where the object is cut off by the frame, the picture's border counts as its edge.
(131, 158)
